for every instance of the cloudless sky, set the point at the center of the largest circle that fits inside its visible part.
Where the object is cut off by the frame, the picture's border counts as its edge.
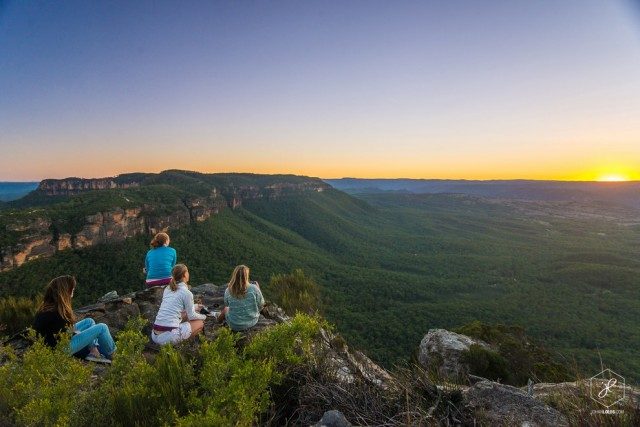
(471, 89)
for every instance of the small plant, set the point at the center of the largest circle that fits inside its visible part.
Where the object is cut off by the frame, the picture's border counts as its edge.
(295, 292)
(17, 314)
(486, 363)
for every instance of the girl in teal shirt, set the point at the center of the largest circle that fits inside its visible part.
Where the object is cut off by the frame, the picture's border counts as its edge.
(242, 300)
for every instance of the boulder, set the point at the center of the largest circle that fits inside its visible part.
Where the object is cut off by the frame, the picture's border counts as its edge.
(333, 419)
(442, 350)
(491, 403)
(108, 296)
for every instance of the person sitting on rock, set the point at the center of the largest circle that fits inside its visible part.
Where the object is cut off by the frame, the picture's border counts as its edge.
(55, 315)
(159, 261)
(178, 317)
(242, 301)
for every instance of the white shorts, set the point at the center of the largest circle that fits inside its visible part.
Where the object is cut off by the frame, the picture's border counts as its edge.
(174, 336)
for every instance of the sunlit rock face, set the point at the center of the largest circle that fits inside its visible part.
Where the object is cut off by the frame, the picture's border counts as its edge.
(42, 237)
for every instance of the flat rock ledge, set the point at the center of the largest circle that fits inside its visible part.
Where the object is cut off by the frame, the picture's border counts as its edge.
(502, 405)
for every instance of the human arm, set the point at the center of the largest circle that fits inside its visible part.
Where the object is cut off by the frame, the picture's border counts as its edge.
(259, 297)
(190, 307)
(146, 264)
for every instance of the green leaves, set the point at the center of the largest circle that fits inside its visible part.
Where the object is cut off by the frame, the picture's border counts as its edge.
(220, 384)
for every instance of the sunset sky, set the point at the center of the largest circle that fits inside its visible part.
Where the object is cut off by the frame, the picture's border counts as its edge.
(417, 89)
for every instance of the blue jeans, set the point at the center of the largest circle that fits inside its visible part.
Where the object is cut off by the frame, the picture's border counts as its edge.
(91, 335)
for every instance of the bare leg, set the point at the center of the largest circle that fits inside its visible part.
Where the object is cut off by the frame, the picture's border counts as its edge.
(196, 326)
(222, 314)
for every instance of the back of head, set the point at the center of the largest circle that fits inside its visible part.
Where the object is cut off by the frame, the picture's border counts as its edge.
(239, 281)
(159, 240)
(57, 297)
(177, 275)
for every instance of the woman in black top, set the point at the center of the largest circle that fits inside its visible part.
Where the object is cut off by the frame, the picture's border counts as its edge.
(55, 315)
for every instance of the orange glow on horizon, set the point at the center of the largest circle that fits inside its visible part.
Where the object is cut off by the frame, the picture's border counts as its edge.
(613, 178)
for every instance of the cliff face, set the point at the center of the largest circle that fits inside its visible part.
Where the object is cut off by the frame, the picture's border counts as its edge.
(42, 237)
(236, 195)
(72, 186)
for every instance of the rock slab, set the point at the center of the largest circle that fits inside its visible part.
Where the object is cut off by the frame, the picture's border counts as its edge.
(497, 404)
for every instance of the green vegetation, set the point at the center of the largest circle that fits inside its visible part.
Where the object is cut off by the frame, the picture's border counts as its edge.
(216, 384)
(42, 387)
(295, 292)
(517, 359)
(392, 266)
(16, 314)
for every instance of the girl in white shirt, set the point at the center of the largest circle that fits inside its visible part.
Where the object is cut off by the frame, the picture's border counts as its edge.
(178, 317)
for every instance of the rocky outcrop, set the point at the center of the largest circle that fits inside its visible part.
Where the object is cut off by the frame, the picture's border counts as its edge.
(72, 186)
(496, 404)
(441, 351)
(43, 237)
(39, 237)
(237, 194)
(333, 418)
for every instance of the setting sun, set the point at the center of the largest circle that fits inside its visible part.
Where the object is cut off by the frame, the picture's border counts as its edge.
(612, 177)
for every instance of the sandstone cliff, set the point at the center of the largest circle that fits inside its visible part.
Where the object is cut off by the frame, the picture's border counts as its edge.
(35, 233)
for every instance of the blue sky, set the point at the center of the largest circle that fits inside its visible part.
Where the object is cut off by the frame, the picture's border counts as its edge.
(444, 89)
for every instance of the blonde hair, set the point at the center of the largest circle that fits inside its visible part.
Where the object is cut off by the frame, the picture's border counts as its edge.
(239, 281)
(177, 274)
(57, 297)
(159, 239)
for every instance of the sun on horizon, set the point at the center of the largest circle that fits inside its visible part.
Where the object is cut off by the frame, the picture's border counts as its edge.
(612, 177)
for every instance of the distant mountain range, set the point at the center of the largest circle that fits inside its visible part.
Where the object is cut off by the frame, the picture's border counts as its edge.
(15, 190)
(620, 193)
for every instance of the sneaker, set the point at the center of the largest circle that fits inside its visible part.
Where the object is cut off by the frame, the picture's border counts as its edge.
(97, 359)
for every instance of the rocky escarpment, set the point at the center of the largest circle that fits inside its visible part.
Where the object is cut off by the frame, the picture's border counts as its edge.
(234, 187)
(35, 234)
(72, 186)
(42, 237)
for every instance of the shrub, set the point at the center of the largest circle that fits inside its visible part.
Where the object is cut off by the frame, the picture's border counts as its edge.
(42, 387)
(524, 358)
(295, 292)
(218, 385)
(486, 363)
(17, 314)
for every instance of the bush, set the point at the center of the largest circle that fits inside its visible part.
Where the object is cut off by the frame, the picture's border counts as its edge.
(523, 358)
(295, 292)
(42, 388)
(219, 384)
(17, 314)
(486, 363)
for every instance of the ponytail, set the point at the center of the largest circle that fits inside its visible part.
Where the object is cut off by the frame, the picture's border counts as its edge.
(159, 239)
(177, 274)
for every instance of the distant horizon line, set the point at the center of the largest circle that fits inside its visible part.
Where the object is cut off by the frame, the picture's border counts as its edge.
(37, 181)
